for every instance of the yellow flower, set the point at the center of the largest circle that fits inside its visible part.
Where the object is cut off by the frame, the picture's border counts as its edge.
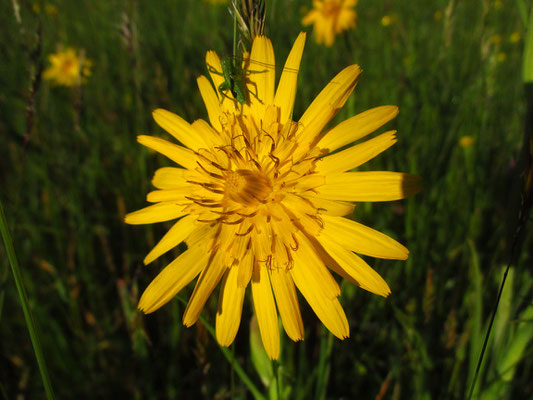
(50, 9)
(331, 17)
(466, 141)
(437, 16)
(68, 68)
(501, 56)
(387, 20)
(262, 204)
(515, 37)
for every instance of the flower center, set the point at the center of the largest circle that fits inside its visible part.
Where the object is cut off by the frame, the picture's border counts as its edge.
(331, 8)
(247, 187)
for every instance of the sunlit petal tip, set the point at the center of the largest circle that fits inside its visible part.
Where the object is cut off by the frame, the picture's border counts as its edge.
(146, 303)
(211, 57)
(155, 112)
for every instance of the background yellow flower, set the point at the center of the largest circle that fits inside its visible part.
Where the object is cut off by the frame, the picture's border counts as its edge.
(331, 17)
(68, 68)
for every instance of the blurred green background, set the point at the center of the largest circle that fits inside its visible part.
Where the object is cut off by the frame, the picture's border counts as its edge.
(70, 168)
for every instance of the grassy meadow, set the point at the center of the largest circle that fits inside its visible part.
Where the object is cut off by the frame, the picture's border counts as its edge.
(71, 168)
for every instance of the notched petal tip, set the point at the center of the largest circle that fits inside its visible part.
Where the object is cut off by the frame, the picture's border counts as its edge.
(156, 112)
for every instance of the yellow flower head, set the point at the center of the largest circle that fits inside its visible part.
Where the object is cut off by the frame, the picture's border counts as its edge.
(331, 17)
(466, 141)
(515, 37)
(67, 68)
(501, 56)
(388, 20)
(260, 202)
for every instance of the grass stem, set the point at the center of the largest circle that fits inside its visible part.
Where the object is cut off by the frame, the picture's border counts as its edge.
(10, 250)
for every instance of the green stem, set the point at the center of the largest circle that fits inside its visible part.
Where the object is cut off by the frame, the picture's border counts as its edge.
(234, 34)
(326, 345)
(527, 66)
(34, 336)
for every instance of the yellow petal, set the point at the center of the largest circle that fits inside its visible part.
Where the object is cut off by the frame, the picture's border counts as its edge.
(328, 310)
(311, 131)
(357, 127)
(265, 311)
(169, 178)
(334, 94)
(155, 213)
(178, 154)
(172, 279)
(287, 301)
(211, 137)
(356, 155)
(211, 101)
(177, 195)
(246, 267)
(207, 282)
(363, 240)
(261, 76)
(286, 91)
(355, 267)
(179, 128)
(229, 308)
(369, 186)
(331, 207)
(314, 267)
(172, 238)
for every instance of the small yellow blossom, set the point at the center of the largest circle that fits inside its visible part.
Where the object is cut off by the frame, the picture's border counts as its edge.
(388, 20)
(50, 9)
(438, 15)
(466, 141)
(501, 57)
(331, 17)
(515, 37)
(498, 4)
(67, 68)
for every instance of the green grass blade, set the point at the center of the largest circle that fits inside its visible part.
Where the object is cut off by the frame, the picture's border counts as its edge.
(519, 345)
(324, 366)
(527, 71)
(522, 9)
(34, 336)
(234, 364)
(476, 340)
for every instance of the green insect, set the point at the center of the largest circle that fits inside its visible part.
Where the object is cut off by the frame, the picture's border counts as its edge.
(234, 79)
